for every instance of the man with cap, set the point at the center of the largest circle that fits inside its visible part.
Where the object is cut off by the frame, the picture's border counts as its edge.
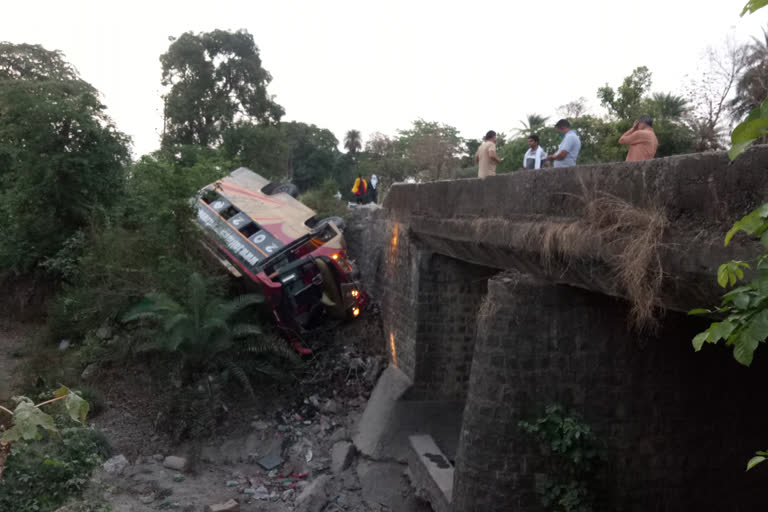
(486, 156)
(641, 140)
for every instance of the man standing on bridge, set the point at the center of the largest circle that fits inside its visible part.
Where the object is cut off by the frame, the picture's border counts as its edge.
(641, 140)
(486, 156)
(569, 148)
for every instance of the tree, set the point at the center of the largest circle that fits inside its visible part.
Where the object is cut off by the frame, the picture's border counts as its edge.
(626, 101)
(260, 147)
(34, 63)
(533, 123)
(380, 145)
(353, 142)
(61, 156)
(431, 147)
(665, 106)
(752, 84)
(573, 109)
(312, 154)
(214, 79)
(709, 94)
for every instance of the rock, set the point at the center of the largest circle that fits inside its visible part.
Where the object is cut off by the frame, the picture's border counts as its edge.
(63, 344)
(232, 483)
(229, 506)
(287, 494)
(104, 332)
(313, 498)
(158, 457)
(62, 509)
(341, 456)
(178, 477)
(116, 465)
(374, 369)
(260, 493)
(147, 499)
(330, 407)
(175, 463)
(339, 435)
(260, 425)
(89, 371)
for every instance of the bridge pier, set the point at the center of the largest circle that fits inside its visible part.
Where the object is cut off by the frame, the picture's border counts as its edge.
(650, 399)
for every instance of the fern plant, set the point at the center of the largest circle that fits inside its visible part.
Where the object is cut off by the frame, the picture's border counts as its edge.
(203, 330)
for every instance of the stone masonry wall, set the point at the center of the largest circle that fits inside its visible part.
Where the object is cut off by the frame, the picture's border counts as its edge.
(449, 296)
(428, 303)
(678, 426)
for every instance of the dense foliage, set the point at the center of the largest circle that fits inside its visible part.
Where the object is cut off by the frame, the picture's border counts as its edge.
(52, 452)
(61, 158)
(574, 458)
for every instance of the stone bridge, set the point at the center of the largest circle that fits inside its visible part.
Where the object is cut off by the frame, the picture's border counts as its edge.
(502, 296)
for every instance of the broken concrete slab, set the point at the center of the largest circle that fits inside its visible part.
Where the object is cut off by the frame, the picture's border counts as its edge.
(175, 463)
(431, 472)
(270, 462)
(229, 506)
(313, 498)
(342, 454)
(378, 413)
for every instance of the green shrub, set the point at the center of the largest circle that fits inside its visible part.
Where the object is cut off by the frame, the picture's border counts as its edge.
(41, 475)
(574, 457)
(147, 242)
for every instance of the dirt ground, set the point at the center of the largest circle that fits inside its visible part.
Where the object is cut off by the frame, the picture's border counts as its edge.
(304, 423)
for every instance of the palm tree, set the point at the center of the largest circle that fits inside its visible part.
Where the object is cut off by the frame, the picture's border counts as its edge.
(752, 86)
(533, 123)
(353, 142)
(204, 333)
(667, 106)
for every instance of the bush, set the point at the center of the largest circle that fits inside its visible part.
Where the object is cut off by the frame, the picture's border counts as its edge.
(147, 242)
(41, 475)
(323, 200)
(575, 456)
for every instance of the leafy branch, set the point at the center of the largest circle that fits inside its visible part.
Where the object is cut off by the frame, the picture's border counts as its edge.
(745, 325)
(28, 418)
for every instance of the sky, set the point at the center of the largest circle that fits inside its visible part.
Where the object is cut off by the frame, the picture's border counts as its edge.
(377, 66)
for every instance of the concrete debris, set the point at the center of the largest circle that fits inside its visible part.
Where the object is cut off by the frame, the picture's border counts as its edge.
(339, 435)
(330, 407)
(313, 498)
(229, 506)
(116, 465)
(175, 463)
(341, 456)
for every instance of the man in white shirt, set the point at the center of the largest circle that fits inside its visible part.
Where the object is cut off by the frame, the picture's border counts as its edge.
(535, 156)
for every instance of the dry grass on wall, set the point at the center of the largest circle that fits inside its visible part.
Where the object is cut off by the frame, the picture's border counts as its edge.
(628, 237)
